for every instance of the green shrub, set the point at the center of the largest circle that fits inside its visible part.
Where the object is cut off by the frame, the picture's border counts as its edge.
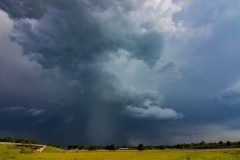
(26, 151)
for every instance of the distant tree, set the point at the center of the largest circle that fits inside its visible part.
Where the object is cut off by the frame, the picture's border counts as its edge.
(92, 147)
(111, 147)
(76, 146)
(70, 147)
(220, 143)
(99, 147)
(202, 143)
(73, 147)
(54, 145)
(161, 147)
(82, 147)
(148, 147)
(238, 144)
(140, 147)
(8, 139)
(228, 143)
(27, 141)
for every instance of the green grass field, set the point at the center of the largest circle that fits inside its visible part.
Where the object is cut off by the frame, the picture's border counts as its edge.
(51, 153)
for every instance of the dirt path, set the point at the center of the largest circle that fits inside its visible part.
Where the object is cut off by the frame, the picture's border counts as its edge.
(42, 148)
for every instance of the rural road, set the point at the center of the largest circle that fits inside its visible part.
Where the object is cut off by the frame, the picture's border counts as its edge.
(42, 148)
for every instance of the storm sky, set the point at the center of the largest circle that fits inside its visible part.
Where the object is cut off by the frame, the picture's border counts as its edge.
(123, 72)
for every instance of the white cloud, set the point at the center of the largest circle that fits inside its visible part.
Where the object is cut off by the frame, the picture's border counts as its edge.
(235, 87)
(143, 16)
(136, 75)
(6, 24)
(133, 73)
(148, 110)
(161, 12)
(35, 112)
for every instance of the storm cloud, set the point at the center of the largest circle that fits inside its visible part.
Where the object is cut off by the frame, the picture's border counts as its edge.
(124, 72)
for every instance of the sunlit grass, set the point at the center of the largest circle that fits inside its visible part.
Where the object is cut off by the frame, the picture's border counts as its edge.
(51, 153)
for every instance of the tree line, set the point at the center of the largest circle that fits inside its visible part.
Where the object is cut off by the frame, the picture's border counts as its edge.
(200, 145)
(18, 140)
(92, 147)
(211, 145)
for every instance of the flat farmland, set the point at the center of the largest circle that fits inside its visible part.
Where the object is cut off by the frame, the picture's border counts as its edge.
(51, 153)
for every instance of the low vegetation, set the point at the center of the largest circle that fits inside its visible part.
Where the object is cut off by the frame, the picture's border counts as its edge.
(26, 150)
(51, 153)
(194, 151)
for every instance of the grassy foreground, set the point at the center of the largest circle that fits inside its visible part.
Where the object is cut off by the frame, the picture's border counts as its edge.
(51, 153)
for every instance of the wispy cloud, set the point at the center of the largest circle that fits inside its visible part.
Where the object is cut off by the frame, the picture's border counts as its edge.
(35, 112)
(13, 109)
(31, 111)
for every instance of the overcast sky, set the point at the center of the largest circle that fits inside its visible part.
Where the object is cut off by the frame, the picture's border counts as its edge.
(123, 72)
